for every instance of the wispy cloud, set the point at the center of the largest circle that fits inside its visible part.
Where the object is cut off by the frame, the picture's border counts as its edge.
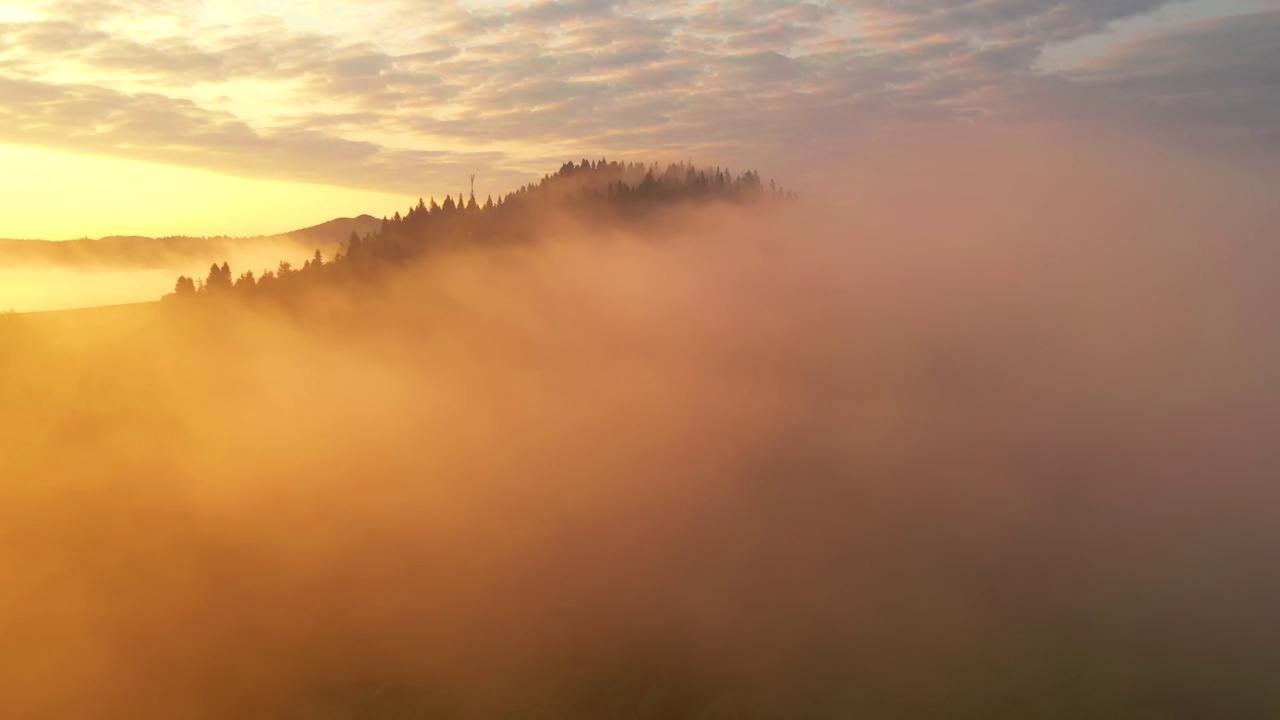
(406, 94)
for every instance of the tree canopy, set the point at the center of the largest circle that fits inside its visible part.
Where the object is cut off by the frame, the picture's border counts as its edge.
(606, 189)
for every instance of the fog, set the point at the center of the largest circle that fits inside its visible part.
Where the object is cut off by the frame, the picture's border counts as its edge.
(986, 430)
(127, 270)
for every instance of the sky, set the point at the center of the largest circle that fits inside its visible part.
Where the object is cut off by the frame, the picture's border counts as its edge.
(242, 117)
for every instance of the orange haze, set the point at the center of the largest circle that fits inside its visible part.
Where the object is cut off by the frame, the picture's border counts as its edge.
(987, 431)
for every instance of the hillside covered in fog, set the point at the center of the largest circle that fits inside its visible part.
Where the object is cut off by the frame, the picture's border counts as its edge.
(674, 449)
(38, 275)
(607, 194)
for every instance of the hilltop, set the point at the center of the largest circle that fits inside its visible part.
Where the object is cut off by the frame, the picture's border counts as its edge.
(595, 191)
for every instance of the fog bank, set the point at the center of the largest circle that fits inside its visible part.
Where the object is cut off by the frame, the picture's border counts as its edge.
(984, 430)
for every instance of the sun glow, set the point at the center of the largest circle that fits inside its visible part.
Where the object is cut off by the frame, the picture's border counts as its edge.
(10, 13)
(56, 196)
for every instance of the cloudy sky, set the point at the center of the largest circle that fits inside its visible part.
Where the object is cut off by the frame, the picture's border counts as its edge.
(241, 116)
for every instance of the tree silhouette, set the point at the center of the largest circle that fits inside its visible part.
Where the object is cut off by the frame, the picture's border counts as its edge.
(600, 191)
(219, 278)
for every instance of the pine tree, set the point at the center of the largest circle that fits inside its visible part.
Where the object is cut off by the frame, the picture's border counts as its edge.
(219, 277)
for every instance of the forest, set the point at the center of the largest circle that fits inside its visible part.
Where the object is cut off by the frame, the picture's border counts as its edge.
(595, 190)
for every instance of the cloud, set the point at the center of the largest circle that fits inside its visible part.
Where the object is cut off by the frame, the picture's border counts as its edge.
(770, 82)
(1222, 73)
(95, 120)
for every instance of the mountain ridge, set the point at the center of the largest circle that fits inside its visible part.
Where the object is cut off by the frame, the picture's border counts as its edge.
(141, 251)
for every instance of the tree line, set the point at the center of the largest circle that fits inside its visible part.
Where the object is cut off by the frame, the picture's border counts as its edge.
(600, 189)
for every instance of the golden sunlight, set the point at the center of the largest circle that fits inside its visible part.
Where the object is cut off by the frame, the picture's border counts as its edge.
(64, 196)
(583, 359)
(11, 13)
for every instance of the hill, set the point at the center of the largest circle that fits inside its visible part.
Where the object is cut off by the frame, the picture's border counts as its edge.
(141, 253)
(332, 233)
(602, 192)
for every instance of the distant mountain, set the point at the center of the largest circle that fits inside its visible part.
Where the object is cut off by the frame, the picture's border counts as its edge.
(332, 233)
(137, 252)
